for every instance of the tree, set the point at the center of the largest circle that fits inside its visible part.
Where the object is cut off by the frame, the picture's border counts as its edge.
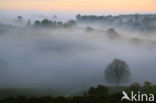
(147, 87)
(135, 87)
(98, 91)
(37, 23)
(111, 33)
(29, 23)
(70, 23)
(59, 24)
(19, 18)
(45, 22)
(117, 72)
(78, 17)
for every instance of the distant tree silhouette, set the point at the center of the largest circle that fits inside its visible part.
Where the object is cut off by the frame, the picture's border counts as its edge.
(54, 17)
(89, 29)
(70, 23)
(111, 33)
(78, 17)
(19, 18)
(117, 72)
(100, 18)
(54, 24)
(59, 24)
(37, 23)
(29, 23)
(45, 22)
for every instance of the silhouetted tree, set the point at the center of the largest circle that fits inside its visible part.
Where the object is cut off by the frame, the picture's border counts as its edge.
(70, 23)
(59, 24)
(100, 18)
(29, 23)
(89, 29)
(37, 23)
(45, 22)
(117, 72)
(19, 18)
(112, 33)
(78, 17)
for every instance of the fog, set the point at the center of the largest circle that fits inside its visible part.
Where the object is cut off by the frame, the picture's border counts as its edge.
(73, 57)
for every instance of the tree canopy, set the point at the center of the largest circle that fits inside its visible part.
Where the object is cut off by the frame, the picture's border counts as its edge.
(117, 72)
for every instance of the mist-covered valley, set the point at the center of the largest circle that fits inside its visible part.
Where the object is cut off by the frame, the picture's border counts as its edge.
(37, 56)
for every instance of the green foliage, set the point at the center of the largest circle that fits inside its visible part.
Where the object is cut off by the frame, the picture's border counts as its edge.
(97, 94)
(98, 91)
(147, 88)
(135, 87)
(114, 98)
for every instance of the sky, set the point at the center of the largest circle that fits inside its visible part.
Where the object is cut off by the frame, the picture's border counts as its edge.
(80, 5)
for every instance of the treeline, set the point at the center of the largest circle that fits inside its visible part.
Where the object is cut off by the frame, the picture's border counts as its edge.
(99, 94)
(49, 23)
(135, 21)
(146, 22)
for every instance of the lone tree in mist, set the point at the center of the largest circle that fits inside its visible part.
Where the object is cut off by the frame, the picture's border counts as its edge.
(117, 72)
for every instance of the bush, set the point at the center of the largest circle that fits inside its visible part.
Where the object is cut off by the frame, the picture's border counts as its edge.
(99, 91)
